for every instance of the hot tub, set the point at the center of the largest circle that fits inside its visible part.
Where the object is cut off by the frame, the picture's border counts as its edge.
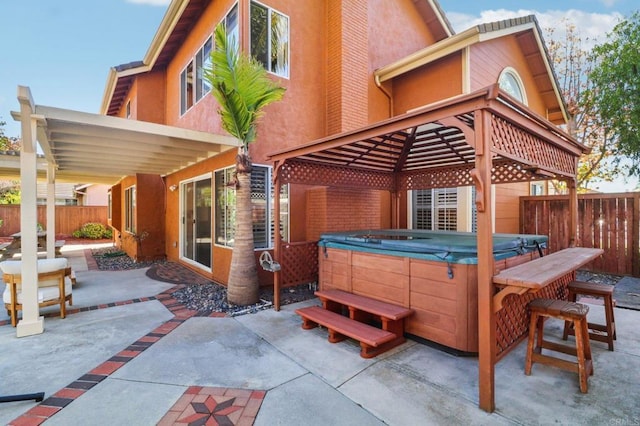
(432, 272)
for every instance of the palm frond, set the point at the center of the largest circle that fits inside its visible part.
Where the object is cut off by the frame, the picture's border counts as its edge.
(241, 86)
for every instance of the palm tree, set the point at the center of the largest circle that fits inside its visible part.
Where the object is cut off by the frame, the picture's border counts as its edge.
(242, 88)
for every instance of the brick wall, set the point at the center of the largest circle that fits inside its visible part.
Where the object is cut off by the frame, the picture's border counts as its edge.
(340, 209)
(347, 71)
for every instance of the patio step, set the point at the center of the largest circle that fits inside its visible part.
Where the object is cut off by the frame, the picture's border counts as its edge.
(373, 341)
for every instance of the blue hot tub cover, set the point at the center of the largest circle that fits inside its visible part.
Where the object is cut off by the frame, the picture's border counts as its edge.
(457, 247)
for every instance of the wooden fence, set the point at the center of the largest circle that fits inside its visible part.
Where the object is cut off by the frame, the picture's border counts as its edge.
(68, 218)
(607, 221)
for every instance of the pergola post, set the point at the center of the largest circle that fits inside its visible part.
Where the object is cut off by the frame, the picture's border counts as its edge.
(573, 212)
(51, 211)
(486, 316)
(31, 322)
(277, 238)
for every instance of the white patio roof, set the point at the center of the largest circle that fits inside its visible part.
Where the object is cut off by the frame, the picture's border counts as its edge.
(88, 148)
(93, 148)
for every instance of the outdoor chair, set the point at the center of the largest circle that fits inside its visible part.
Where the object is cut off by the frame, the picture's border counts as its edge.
(54, 285)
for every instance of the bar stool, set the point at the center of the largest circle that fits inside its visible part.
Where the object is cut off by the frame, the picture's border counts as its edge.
(567, 311)
(600, 332)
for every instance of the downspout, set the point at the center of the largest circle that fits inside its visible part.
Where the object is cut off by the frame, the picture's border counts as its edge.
(376, 79)
(395, 206)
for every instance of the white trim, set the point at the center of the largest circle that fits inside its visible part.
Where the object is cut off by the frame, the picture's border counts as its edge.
(208, 175)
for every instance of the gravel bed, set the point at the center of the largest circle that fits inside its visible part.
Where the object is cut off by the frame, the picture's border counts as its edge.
(599, 278)
(204, 298)
(114, 259)
(209, 298)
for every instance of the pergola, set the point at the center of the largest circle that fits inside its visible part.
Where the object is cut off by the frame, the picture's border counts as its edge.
(80, 147)
(481, 139)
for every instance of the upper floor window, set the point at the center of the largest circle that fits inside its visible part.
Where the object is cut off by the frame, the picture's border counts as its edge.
(510, 82)
(231, 26)
(193, 85)
(270, 39)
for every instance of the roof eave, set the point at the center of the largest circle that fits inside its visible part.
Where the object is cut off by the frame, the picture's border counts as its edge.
(169, 21)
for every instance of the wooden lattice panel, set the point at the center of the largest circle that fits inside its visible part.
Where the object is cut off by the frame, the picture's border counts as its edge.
(505, 171)
(512, 321)
(303, 172)
(516, 143)
(299, 263)
(436, 178)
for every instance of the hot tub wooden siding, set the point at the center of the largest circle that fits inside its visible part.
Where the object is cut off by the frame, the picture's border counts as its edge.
(446, 310)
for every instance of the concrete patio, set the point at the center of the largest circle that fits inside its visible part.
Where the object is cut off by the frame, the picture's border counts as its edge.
(131, 363)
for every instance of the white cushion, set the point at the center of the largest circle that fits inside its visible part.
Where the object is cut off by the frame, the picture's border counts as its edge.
(44, 265)
(47, 289)
(44, 293)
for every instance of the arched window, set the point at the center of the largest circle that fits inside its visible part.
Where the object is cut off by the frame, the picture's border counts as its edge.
(510, 82)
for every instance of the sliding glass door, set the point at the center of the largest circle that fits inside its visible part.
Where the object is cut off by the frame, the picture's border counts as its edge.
(195, 212)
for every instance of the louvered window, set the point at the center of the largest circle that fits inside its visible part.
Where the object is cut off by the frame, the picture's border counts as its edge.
(436, 209)
(261, 208)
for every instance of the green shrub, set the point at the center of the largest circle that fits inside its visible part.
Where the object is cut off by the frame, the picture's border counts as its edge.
(93, 231)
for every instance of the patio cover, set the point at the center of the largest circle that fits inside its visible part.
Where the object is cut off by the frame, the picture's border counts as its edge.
(479, 139)
(89, 148)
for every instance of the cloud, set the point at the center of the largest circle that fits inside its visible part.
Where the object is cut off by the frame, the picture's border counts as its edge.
(592, 27)
(151, 2)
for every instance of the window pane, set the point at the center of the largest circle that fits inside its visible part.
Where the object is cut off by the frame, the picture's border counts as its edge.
(423, 209)
(260, 206)
(231, 25)
(279, 44)
(259, 35)
(225, 207)
(203, 60)
(186, 88)
(183, 93)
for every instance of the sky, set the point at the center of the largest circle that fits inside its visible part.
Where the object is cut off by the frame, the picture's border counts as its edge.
(63, 49)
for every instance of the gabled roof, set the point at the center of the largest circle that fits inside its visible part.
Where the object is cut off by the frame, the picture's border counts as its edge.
(178, 21)
(176, 24)
(530, 40)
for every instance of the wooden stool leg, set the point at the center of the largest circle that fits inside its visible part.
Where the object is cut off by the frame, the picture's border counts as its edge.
(580, 342)
(568, 324)
(532, 336)
(587, 348)
(611, 322)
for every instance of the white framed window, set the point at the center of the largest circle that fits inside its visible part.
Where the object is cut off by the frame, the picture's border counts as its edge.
(510, 82)
(261, 206)
(193, 85)
(109, 205)
(186, 88)
(231, 26)
(537, 188)
(130, 209)
(443, 209)
(270, 39)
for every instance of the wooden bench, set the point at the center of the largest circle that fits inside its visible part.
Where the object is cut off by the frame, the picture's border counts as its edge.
(362, 311)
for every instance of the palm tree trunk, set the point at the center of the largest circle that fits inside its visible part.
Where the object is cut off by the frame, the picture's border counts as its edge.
(243, 287)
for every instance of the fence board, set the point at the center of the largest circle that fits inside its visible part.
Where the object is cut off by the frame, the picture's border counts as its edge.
(607, 221)
(68, 218)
